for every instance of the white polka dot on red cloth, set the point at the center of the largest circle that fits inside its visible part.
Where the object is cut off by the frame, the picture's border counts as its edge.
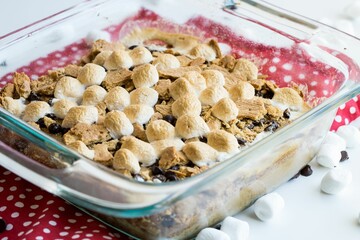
(338, 118)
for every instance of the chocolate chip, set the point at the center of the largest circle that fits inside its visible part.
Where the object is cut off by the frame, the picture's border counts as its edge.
(2, 225)
(167, 221)
(344, 156)
(50, 101)
(306, 171)
(203, 139)
(118, 146)
(41, 123)
(241, 141)
(259, 122)
(160, 177)
(157, 170)
(272, 127)
(65, 130)
(33, 97)
(51, 115)
(295, 176)
(171, 176)
(170, 119)
(250, 126)
(286, 113)
(175, 168)
(132, 47)
(55, 128)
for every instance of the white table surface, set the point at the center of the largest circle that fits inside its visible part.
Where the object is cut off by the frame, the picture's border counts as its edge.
(308, 214)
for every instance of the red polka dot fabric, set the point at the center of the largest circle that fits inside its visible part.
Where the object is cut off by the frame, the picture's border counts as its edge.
(32, 213)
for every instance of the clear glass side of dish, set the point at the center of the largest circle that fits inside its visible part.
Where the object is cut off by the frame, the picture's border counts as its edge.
(288, 48)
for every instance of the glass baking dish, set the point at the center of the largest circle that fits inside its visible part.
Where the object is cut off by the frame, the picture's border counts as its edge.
(290, 49)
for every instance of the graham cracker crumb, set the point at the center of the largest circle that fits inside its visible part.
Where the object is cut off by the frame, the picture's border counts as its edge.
(72, 70)
(171, 157)
(116, 78)
(251, 108)
(174, 73)
(102, 154)
(22, 84)
(139, 132)
(89, 134)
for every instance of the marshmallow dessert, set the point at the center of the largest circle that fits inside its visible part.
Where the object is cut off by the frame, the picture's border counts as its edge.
(175, 118)
(173, 114)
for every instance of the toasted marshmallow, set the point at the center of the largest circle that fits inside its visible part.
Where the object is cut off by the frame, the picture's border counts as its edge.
(117, 99)
(91, 74)
(80, 114)
(223, 141)
(235, 228)
(242, 90)
(201, 154)
(36, 110)
(81, 148)
(159, 130)
(166, 61)
(62, 107)
(188, 104)
(212, 234)
(161, 145)
(144, 95)
(181, 87)
(225, 110)
(14, 106)
(141, 55)
(335, 139)
(139, 113)
(69, 87)
(101, 57)
(124, 159)
(336, 180)
(93, 95)
(118, 124)
(189, 126)
(329, 155)
(196, 80)
(143, 151)
(145, 76)
(213, 78)
(94, 35)
(246, 68)
(117, 60)
(350, 134)
(211, 95)
(269, 206)
(204, 51)
(289, 97)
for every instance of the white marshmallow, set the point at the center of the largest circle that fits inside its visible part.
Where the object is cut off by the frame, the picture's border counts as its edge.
(196, 80)
(333, 138)
(139, 113)
(201, 154)
(189, 126)
(93, 95)
(125, 159)
(70, 88)
(62, 107)
(36, 110)
(235, 228)
(14, 106)
(345, 26)
(211, 234)
(225, 110)
(80, 114)
(336, 180)
(223, 141)
(144, 95)
(242, 90)
(350, 134)
(166, 61)
(188, 104)
(101, 57)
(159, 130)
(145, 76)
(329, 155)
(118, 59)
(160, 145)
(352, 10)
(94, 35)
(213, 78)
(246, 68)
(143, 151)
(211, 95)
(204, 51)
(141, 55)
(118, 124)
(91, 74)
(117, 99)
(269, 206)
(181, 87)
(81, 148)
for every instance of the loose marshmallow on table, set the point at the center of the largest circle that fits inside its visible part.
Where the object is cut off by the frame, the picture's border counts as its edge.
(145, 76)
(329, 155)
(139, 113)
(353, 9)
(80, 114)
(350, 134)
(117, 99)
(188, 104)
(36, 110)
(93, 95)
(235, 228)
(336, 180)
(118, 124)
(118, 59)
(333, 138)
(144, 95)
(69, 87)
(212, 234)
(269, 206)
(91, 74)
(94, 35)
